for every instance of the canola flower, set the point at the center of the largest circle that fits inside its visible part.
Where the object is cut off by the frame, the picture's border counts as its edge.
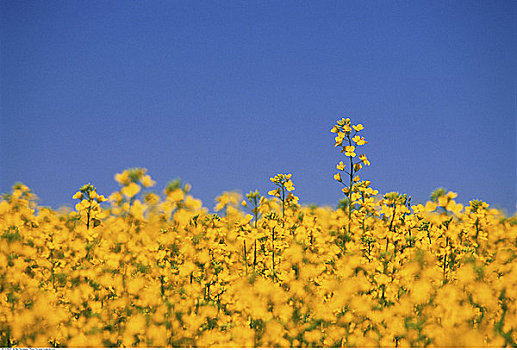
(144, 269)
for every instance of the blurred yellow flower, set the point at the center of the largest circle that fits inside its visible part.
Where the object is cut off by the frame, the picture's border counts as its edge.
(130, 190)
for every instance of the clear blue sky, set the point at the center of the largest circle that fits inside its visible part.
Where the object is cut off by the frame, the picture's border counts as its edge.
(225, 94)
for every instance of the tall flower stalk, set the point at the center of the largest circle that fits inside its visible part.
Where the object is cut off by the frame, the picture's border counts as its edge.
(348, 140)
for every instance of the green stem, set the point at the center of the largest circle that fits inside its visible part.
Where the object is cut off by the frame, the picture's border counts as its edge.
(255, 256)
(350, 188)
(393, 217)
(88, 216)
(283, 201)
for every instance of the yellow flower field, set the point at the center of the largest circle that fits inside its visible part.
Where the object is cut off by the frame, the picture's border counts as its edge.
(141, 269)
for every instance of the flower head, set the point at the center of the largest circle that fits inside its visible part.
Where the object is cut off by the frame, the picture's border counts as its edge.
(358, 127)
(364, 159)
(349, 151)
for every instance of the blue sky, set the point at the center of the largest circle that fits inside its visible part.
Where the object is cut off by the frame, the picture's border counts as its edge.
(225, 94)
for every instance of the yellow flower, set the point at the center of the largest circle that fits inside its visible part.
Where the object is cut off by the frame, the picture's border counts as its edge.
(130, 190)
(359, 140)
(442, 201)
(135, 324)
(452, 195)
(340, 166)
(430, 206)
(176, 195)
(364, 159)
(337, 177)
(358, 127)
(115, 197)
(292, 198)
(78, 195)
(275, 193)
(339, 139)
(122, 178)
(362, 141)
(147, 181)
(289, 185)
(313, 336)
(349, 151)
(83, 205)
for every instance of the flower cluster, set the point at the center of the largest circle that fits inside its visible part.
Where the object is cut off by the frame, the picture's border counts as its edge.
(355, 190)
(149, 269)
(284, 190)
(89, 209)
